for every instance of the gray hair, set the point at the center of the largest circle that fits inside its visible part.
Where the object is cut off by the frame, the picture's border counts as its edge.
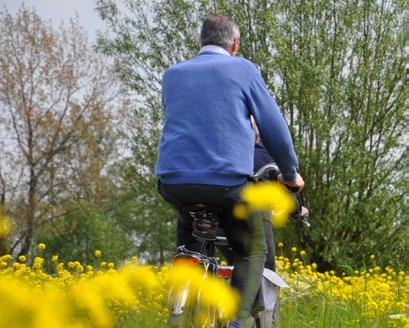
(218, 30)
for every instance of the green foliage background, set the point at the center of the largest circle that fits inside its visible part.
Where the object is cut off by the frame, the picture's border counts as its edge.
(336, 68)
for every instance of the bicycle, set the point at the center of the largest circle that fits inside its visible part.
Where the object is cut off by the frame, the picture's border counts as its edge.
(205, 219)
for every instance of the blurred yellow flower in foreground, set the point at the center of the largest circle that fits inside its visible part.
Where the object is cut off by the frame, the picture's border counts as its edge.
(270, 196)
(209, 290)
(240, 211)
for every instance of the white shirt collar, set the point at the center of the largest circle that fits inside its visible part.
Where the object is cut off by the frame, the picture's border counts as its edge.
(213, 48)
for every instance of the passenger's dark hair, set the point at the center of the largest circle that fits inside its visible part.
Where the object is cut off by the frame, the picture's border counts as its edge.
(218, 30)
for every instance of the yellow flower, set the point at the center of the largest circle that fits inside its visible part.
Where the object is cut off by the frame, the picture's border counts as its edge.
(372, 257)
(279, 219)
(78, 267)
(38, 263)
(22, 258)
(269, 196)
(302, 253)
(6, 258)
(294, 249)
(54, 258)
(240, 211)
(41, 246)
(98, 253)
(280, 245)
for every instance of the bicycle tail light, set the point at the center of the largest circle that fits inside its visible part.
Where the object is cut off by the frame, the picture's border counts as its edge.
(225, 272)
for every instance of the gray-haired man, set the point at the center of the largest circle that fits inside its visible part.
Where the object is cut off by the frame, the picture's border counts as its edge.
(207, 146)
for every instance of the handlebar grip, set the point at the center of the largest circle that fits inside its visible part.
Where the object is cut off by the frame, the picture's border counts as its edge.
(306, 221)
(293, 189)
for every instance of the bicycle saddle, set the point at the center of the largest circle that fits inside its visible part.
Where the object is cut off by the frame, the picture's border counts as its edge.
(205, 220)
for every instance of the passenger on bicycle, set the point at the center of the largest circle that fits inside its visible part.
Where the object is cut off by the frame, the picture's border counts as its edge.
(262, 158)
(207, 144)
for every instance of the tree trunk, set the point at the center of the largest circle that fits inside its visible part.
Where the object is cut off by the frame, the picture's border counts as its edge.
(30, 214)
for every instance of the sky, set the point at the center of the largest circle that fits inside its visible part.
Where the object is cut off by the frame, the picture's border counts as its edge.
(58, 10)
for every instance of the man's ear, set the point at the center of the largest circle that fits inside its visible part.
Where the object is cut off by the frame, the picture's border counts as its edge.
(234, 48)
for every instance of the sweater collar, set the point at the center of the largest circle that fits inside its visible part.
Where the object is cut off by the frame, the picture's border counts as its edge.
(215, 49)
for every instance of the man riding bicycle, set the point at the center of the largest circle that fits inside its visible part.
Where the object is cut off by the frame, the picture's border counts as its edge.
(207, 146)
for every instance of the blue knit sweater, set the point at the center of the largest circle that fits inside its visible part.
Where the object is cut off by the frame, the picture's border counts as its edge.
(207, 136)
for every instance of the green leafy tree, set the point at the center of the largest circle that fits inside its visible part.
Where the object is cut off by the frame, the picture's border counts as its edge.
(337, 69)
(148, 221)
(83, 229)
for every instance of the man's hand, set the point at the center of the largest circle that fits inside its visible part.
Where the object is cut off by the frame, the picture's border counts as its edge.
(295, 185)
(304, 211)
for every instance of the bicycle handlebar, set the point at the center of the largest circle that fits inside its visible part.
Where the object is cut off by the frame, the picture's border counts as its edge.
(271, 167)
(265, 169)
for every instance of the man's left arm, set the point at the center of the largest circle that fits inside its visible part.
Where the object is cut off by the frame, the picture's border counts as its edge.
(273, 128)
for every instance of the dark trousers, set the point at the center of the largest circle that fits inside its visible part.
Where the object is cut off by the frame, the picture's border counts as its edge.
(246, 237)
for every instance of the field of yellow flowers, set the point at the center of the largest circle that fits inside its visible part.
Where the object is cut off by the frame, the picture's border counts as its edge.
(77, 295)
(375, 297)
(41, 292)
(135, 295)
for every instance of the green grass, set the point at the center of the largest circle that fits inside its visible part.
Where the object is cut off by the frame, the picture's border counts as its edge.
(320, 311)
(297, 311)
